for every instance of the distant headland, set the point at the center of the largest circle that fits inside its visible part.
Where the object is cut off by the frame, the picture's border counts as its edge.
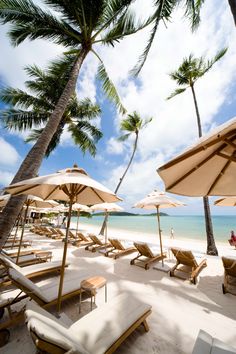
(124, 213)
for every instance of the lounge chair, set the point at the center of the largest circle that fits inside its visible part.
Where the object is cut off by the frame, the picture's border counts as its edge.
(42, 256)
(186, 262)
(82, 240)
(119, 249)
(145, 255)
(57, 234)
(45, 295)
(11, 244)
(101, 331)
(28, 271)
(97, 244)
(229, 275)
(206, 344)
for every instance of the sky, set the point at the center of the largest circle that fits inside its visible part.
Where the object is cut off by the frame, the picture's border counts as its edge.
(173, 126)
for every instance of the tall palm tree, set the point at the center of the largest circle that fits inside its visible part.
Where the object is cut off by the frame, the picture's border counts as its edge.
(81, 26)
(186, 76)
(132, 125)
(163, 11)
(34, 109)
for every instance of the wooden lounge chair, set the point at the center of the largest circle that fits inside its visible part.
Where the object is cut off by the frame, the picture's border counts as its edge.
(45, 295)
(82, 240)
(97, 244)
(118, 249)
(28, 271)
(229, 275)
(24, 244)
(42, 256)
(186, 262)
(145, 255)
(57, 234)
(112, 323)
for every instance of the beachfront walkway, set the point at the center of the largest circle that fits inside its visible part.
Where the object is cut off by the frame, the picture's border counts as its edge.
(179, 309)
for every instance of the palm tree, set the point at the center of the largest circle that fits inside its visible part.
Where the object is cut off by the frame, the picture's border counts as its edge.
(34, 110)
(163, 10)
(232, 4)
(186, 76)
(130, 125)
(80, 26)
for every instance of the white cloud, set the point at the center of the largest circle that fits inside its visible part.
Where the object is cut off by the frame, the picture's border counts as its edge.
(9, 156)
(114, 146)
(5, 178)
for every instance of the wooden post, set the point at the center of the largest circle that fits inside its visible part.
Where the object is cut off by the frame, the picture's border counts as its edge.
(160, 238)
(22, 231)
(64, 256)
(77, 225)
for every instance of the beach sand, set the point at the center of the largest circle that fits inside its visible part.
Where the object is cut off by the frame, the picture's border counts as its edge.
(179, 309)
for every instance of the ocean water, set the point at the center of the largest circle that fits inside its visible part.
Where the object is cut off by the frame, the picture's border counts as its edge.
(184, 226)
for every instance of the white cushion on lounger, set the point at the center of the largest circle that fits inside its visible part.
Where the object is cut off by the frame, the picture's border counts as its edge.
(6, 260)
(50, 329)
(93, 333)
(14, 274)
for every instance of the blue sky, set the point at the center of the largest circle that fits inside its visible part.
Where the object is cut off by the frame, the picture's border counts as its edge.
(173, 127)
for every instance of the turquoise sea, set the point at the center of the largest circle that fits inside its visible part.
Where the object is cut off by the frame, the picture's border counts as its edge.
(184, 226)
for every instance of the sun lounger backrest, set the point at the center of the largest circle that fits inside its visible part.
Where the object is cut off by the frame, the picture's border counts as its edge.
(96, 240)
(229, 266)
(7, 263)
(27, 286)
(46, 325)
(117, 244)
(144, 249)
(184, 257)
(82, 237)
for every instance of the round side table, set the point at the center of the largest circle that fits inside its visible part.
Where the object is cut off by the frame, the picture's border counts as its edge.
(90, 286)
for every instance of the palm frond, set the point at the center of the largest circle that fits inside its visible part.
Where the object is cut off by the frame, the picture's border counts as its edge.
(17, 119)
(216, 58)
(82, 139)
(109, 87)
(124, 26)
(31, 22)
(192, 12)
(176, 92)
(124, 137)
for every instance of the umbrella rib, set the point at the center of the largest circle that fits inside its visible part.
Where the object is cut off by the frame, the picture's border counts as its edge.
(23, 190)
(231, 135)
(195, 168)
(98, 195)
(50, 193)
(219, 176)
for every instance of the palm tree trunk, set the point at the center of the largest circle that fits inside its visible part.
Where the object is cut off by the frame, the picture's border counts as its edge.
(232, 4)
(120, 181)
(31, 164)
(211, 246)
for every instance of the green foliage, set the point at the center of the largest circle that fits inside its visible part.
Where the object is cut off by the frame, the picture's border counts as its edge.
(191, 70)
(46, 88)
(132, 124)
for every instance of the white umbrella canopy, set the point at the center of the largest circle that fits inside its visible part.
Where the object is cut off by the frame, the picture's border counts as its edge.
(106, 207)
(71, 185)
(226, 201)
(157, 200)
(207, 168)
(72, 182)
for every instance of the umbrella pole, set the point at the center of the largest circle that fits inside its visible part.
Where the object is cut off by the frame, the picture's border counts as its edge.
(64, 257)
(160, 238)
(77, 225)
(22, 233)
(17, 226)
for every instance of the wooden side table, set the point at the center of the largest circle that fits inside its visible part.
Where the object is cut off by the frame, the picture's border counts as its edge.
(91, 285)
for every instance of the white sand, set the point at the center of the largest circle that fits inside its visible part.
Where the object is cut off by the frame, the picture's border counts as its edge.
(179, 309)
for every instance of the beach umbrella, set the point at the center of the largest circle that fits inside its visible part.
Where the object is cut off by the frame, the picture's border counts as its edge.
(157, 200)
(32, 202)
(106, 207)
(226, 201)
(207, 168)
(72, 185)
(79, 207)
